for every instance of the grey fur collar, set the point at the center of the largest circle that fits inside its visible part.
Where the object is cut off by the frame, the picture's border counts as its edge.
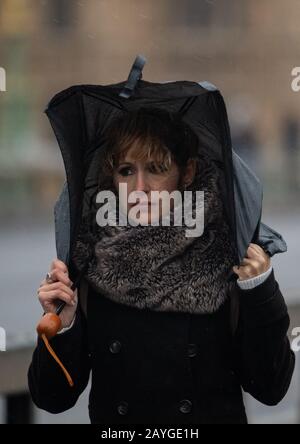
(158, 267)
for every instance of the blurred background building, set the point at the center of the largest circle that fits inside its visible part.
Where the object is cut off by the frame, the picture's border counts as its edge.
(248, 49)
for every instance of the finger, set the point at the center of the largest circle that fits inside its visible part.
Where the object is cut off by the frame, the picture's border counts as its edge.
(58, 275)
(59, 264)
(244, 261)
(262, 257)
(244, 272)
(51, 305)
(57, 286)
(253, 263)
(252, 249)
(48, 297)
(253, 253)
(262, 252)
(257, 247)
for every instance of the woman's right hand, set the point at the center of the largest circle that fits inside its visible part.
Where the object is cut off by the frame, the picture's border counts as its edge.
(49, 293)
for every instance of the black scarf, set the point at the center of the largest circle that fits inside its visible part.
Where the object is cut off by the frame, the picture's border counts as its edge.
(159, 267)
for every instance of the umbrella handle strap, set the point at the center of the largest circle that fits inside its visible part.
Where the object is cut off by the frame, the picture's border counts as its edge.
(54, 355)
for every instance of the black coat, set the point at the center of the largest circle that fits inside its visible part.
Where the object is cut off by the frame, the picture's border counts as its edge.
(166, 367)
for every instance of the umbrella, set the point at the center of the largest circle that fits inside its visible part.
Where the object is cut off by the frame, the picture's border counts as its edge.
(80, 114)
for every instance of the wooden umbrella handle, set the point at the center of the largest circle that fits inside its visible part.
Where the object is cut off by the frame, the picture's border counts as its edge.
(47, 328)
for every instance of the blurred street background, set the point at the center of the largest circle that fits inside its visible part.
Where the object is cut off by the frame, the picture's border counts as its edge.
(247, 48)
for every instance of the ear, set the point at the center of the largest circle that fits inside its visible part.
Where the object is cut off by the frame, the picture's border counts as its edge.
(189, 172)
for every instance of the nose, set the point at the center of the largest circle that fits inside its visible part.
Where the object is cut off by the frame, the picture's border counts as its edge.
(141, 182)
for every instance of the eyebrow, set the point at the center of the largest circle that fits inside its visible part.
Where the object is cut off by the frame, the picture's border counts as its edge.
(131, 163)
(125, 163)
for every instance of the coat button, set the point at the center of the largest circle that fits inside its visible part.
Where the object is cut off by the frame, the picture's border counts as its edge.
(185, 406)
(122, 408)
(115, 346)
(192, 350)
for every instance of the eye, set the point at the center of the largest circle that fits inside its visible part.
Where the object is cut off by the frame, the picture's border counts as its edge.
(125, 171)
(156, 168)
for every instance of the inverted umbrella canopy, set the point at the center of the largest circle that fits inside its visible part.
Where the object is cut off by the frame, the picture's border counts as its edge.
(81, 113)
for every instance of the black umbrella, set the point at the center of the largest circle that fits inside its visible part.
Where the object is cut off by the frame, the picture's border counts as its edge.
(80, 114)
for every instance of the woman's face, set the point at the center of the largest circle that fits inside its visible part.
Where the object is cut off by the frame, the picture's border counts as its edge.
(144, 176)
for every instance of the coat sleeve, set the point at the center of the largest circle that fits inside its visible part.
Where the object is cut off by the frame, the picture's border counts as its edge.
(265, 361)
(48, 385)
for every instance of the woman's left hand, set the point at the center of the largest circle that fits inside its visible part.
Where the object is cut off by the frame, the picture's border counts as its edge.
(256, 262)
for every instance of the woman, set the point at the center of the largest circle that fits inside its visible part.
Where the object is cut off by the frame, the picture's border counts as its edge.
(156, 322)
